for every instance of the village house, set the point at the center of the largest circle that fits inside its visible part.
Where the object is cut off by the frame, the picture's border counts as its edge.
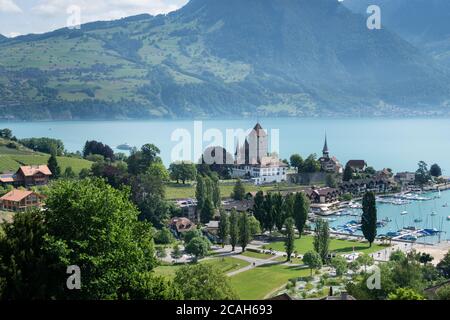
(323, 195)
(245, 205)
(20, 200)
(359, 187)
(27, 176)
(327, 163)
(181, 225)
(358, 166)
(188, 209)
(405, 178)
(252, 160)
(212, 227)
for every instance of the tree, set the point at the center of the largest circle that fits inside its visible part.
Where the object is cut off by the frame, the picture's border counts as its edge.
(405, 294)
(244, 231)
(443, 293)
(95, 147)
(340, 265)
(296, 161)
(348, 173)
(69, 173)
(234, 228)
(258, 207)
(424, 258)
(268, 209)
(422, 176)
(435, 170)
(139, 161)
(6, 134)
(313, 260)
(331, 181)
(208, 212)
(198, 247)
(311, 164)
(300, 211)
(200, 192)
(148, 193)
(54, 166)
(224, 228)
(369, 217)
(444, 265)
(176, 252)
(289, 242)
(216, 197)
(321, 240)
(94, 226)
(183, 171)
(204, 282)
(164, 236)
(255, 226)
(370, 171)
(161, 252)
(238, 191)
(365, 260)
(278, 211)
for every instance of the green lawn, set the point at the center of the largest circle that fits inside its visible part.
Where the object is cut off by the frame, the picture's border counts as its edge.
(257, 283)
(225, 264)
(180, 191)
(12, 162)
(257, 255)
(305, 244)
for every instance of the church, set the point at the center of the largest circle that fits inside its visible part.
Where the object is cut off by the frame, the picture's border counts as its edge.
(253, 161)
(329, 164)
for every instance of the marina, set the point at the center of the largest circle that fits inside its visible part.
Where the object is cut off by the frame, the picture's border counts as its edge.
(405, 217)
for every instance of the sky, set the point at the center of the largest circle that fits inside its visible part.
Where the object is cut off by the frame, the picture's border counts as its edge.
(18, 17)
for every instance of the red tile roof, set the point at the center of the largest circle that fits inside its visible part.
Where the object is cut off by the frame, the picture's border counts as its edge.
(16, 195)
(29, 171)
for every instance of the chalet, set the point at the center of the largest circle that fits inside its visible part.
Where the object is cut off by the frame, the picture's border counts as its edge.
(329, 164)
(20, 200)
(181, 225)
(359, 187)
(405, 178)
(323, 195)
(212, 227)
(357, 166)
(26, 176)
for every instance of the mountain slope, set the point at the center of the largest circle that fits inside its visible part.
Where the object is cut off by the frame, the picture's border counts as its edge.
(425, 23)
(220, 58)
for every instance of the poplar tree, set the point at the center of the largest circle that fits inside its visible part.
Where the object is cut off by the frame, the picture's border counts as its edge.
(369, 217)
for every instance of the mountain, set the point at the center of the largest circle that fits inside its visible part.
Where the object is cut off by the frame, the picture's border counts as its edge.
(221, 58)
(424, 23)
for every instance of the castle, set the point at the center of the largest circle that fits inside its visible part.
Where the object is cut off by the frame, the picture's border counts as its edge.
(253, 161)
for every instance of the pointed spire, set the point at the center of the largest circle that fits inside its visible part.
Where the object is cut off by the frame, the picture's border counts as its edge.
(325, 147)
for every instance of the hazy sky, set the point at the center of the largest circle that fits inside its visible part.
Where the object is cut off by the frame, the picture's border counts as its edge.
(38, 16)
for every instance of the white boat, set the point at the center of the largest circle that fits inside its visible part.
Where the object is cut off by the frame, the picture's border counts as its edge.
(433, 214)
(404, 213)
(448, 218)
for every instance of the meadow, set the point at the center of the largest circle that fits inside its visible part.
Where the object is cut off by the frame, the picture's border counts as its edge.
(305, 244)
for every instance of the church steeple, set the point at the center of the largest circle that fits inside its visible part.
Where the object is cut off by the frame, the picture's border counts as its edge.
(326, 152)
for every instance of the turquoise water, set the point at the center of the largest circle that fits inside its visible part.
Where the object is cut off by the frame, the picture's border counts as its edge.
(416, 210)
(395, 143)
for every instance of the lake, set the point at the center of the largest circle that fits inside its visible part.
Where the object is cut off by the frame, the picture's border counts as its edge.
(394, 143)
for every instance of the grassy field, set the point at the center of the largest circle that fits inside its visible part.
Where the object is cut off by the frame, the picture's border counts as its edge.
(180, 191)
(305, 244)
(257, 255)
(12, 162)
(257, 283)
(225, 264)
